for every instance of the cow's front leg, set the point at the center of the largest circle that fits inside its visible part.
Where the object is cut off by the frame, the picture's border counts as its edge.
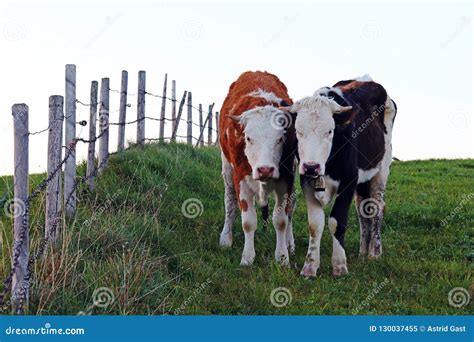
(315, 227)
(230, 203)
(280, 222)
(337, 224)
(290, 240)
(249, 223)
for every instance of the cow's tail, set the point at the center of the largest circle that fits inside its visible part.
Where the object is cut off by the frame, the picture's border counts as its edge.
(265, 216)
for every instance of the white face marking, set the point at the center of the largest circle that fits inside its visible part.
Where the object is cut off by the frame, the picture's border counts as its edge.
(269, 96)
(263, 139)
(314, 130)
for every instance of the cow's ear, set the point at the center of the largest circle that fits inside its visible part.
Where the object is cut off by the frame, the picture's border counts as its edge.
(345, 116)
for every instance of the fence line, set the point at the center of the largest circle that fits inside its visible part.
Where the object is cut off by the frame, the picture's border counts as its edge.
(62, 198)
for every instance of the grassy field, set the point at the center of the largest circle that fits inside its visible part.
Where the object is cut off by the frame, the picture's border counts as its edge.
(131, 236)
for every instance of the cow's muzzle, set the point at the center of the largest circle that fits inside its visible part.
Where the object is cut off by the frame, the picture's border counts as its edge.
(265, 173)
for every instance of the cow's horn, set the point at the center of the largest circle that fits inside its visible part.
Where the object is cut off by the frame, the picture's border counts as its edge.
(233, 117)
(286, 109)
(343, 109)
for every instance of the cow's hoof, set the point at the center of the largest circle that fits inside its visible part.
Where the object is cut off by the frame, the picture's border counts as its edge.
(291, 248)
(282, 259)
(339, 270)
(309, 270)
(363, 251)
(225, 240)
(374, 255)
(247, 259)
(375, 251)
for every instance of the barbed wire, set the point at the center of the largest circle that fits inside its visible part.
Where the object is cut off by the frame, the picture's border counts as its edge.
(18, 244)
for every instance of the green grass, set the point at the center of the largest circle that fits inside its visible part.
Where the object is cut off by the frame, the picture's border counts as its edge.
(131, 236)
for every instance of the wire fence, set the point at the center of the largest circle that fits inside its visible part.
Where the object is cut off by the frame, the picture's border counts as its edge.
(61, 200)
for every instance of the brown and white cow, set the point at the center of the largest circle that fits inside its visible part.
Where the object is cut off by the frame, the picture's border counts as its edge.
(258, 157)
(344, 137)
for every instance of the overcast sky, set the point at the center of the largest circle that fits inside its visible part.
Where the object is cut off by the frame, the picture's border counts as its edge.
(420, 52)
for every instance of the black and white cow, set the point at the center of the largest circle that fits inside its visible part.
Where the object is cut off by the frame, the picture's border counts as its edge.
(344, 144)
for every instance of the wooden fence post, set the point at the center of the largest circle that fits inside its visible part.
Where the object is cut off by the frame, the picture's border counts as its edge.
(163, 108)
(189, 136)
(20, 214)
(123, 112)
(53, 189)
(70, 136)
(90, 171)
(209, 125)
(217, 128)
(201, 127)
(178, 118)
(104, 124)
(141, 108)
(173, 105)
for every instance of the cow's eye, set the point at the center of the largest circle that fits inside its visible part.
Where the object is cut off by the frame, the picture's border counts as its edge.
(330, 132)
(248, 139)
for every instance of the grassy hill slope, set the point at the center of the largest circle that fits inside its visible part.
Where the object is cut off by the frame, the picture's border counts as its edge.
(131, 236)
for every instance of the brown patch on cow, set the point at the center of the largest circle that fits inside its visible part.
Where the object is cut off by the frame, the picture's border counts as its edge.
(247, 227)
(243, 205)
(281, 225)
(237, 101)
(312, 230)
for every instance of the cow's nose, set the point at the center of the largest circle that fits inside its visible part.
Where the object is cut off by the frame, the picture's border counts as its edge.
(265, 172)
(311, 168)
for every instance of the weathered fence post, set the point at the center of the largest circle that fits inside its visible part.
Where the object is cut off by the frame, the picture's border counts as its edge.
(90, 171)
(178, 118)
(20, 214)
(217, 128)
(173, 105)
(104, 124)
(141, 108)
(123, 112)
(70, 136)
(189, 136)
(163, 108)
(53, 189)
(201, 127)
(209, 125)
